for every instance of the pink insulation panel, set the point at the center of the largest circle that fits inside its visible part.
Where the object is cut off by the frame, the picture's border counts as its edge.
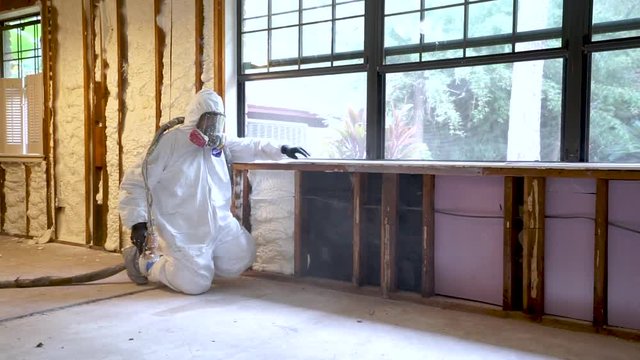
(624, 254)
(569, 247)
(469, 237)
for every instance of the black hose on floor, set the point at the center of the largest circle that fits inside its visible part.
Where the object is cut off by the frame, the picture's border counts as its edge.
(62, 281)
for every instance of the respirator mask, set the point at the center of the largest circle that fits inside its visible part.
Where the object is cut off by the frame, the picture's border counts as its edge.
(209, 130)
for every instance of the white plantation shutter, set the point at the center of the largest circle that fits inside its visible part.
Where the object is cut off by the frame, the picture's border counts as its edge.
(11, 125)
(34, 97)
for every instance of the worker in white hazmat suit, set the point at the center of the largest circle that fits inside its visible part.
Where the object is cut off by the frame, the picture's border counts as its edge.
(190, 188)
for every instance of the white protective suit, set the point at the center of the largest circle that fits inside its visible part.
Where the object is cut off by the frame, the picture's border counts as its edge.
(197, 234)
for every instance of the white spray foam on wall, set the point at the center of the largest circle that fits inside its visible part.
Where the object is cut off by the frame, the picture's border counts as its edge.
(178, 22)
(207, 56)
(108, 11)
(37, 212)
(272, 219)
(69, 123)
(15, 220)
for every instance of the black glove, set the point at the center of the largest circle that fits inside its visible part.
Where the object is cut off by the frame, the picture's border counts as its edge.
(291, 151)
(139, 236)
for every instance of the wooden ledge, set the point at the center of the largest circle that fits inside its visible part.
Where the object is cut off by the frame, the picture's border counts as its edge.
(20, 158)
(461, 168)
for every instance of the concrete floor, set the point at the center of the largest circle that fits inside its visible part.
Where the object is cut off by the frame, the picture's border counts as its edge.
(250, 318)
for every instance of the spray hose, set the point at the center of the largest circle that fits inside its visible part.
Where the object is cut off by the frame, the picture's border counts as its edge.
(151, 235)
(112, 270)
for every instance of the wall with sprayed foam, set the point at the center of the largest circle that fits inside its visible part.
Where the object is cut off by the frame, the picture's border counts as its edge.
(272, 220)
(108, 13)
(25, 198)
(177, 19)
(37, 201)
(15, 219)
(69, 124)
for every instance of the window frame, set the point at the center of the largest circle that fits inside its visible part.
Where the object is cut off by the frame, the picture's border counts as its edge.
(576, 50)
(38, 51)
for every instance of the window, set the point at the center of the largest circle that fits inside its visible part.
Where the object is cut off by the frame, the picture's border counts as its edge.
(476, 80)
(21, 89)
(322, 43)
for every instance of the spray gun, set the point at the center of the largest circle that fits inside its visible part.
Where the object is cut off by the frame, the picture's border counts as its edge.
(151, 246)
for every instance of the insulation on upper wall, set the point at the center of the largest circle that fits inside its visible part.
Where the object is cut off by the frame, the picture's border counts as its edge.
(139, 121)
(207, 56)
(69, 124)
(108, 13)
(177, 19)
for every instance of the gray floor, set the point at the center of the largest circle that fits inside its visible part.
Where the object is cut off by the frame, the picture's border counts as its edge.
(250, 318)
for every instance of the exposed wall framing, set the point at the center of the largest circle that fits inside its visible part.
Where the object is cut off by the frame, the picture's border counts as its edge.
(389, 233)
(523, 271)
(218, 47)
(357, 179)
(428, 235)
(48, 55)
(533, 258)
(160, 43)
(601, 258)
(199, 37)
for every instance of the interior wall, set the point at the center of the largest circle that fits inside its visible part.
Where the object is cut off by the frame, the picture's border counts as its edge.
(177, 19)
(70, 208)
(108, 15)
(129, 104)
(15, 219)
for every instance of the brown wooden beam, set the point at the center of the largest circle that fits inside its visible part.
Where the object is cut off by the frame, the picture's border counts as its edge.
(565, 170)
(3, 204)
(600, 255)
(297, 226)
(159, 39)
(428, 235)
(47, 122)
(246, 204)
(199, 16)
(123, 60)
(389, 232)
(510, 236)
(27, 195)
(357, 179)
(219, 47)
(533, 258)
(15, 4)
(88, 61)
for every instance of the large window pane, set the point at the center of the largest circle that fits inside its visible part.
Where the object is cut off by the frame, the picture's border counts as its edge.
(270, 34)
(21, 52)
(284, 43)
(391, 7)
(254, 51)
(350, 35)
(316, 39)
(402, 30)
(325, 114)
(615, 19)
(614, 130)
(486, 113)
(253, 8)
(539, 15)
(490, 18)
(443, 24)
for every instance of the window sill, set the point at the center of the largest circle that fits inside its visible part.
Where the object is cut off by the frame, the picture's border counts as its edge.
(10, 158)
(549, 169)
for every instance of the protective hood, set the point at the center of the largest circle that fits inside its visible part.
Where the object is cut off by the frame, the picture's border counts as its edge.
(204, 101)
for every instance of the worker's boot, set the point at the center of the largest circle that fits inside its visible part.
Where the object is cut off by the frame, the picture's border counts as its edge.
(131, 262)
